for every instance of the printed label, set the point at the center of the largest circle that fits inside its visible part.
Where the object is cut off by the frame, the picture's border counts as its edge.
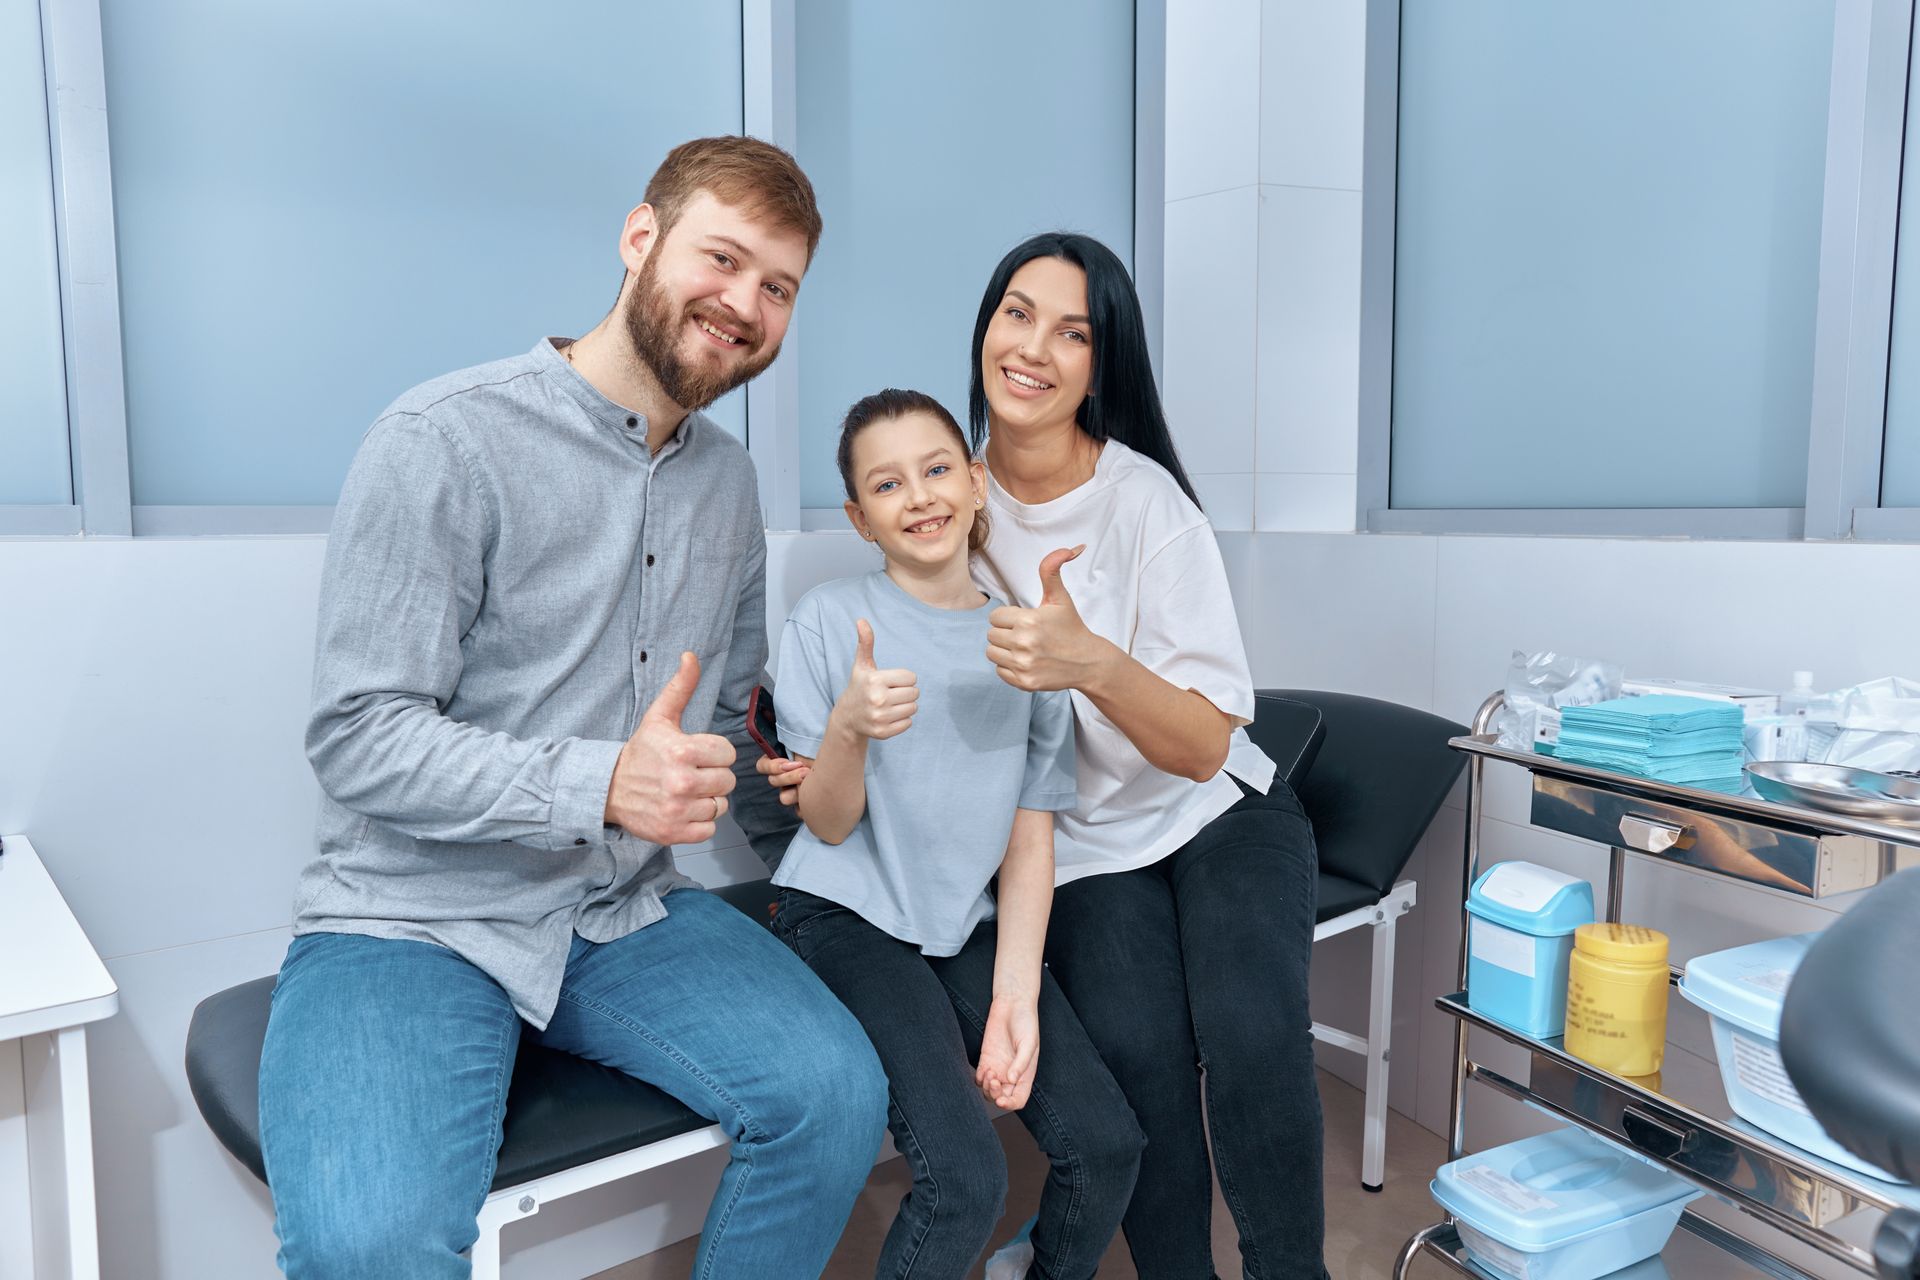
(1503, 948)
(1757, 1066)
(1496, 1256)
(1774, 980)
(1501, 1189)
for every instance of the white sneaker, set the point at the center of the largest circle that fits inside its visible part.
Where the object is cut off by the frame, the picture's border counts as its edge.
(1013, 1259)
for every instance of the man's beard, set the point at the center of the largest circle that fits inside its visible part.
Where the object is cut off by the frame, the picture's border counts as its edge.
(655, 326)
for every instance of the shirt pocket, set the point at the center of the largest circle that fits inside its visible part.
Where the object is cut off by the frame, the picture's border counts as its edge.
(696, 588)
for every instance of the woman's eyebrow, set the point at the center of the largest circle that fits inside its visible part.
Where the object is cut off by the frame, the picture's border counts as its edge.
(1032, 306)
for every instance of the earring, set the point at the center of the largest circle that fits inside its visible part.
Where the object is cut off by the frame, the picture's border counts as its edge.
(979, 502)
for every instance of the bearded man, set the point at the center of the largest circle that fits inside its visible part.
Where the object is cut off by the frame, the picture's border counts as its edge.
(541, 617)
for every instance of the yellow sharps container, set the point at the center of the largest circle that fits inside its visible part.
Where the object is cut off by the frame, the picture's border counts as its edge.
(1617, 997)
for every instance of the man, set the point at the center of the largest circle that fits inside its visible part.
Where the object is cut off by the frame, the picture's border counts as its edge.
(544, 582)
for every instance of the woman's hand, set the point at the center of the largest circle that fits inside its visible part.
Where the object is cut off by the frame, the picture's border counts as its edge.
(784, 776)
(1009, 1052)
(1048, 647)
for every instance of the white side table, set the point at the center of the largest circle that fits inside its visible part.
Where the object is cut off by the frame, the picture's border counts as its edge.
(52, 984)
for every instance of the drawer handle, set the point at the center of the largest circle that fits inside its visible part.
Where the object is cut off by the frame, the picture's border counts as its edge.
(1653, 1136)
(1651, 835)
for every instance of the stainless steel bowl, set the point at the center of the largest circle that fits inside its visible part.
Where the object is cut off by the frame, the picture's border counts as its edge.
(1834, 788)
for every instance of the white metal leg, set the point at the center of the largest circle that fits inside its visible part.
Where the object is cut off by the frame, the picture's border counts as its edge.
(1376, 1047)
(66, 1241)
(1373, 1149)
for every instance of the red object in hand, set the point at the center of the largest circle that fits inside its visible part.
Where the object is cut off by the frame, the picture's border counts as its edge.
(760, 725)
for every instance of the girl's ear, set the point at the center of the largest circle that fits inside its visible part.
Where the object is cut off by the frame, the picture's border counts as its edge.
(858, 519)
(979, 472)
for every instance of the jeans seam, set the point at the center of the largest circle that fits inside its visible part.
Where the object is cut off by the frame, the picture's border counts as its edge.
(725, 1216)
(492, 1164)
(747, 1123)
(918, 1158)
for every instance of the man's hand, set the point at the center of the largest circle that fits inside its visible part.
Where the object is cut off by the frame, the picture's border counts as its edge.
(670, 787)
(1009, 1052)
(876, 704)
(1048, 647)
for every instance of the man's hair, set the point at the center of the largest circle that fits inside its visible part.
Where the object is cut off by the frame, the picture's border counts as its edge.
(754, 176)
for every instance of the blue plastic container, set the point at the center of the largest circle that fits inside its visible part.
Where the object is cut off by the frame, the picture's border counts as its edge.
(1742, 990)
(1563, 1206)
(1520, 939)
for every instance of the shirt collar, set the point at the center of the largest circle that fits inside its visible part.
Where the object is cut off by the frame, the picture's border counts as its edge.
(628, 423)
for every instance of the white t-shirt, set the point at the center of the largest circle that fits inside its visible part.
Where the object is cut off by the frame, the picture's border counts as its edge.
(1151, 580)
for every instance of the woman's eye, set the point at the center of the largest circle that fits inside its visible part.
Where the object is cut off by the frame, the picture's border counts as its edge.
(1076, 336)
(1016, 313)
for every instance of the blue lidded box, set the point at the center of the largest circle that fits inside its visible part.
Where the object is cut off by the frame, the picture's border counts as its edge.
(1563, 1206)
(1742, 989)
(1520, 942)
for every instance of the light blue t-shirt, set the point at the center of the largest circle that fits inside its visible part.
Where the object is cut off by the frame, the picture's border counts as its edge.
(941, 796)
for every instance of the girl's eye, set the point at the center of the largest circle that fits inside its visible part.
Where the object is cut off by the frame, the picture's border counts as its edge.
(938, 469)
(885, 485)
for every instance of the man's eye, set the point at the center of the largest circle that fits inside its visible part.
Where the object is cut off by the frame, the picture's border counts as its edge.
(722, 259)
(779, 293)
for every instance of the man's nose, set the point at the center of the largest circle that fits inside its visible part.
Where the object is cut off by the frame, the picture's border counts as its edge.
(742, 297)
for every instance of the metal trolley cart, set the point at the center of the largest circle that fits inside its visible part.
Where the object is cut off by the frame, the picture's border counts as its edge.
(1832, 1210)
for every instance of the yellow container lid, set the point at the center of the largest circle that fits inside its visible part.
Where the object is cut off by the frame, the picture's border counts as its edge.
(1627, 943)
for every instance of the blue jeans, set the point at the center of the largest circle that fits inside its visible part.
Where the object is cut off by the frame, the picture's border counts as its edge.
(925, 1015)
(384, 1082)
(1197, 963)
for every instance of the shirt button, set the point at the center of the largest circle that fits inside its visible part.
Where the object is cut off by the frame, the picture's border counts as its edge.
(581, 840)
(649, 559)
(632, 423)
(643, 655)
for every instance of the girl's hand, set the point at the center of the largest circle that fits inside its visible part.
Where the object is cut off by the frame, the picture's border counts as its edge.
(876, 704)
(784, 776)
(1048, 647)
(1009, 1052)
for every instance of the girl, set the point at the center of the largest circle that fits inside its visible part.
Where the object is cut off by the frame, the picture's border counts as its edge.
(926, 775)
(1183, 921)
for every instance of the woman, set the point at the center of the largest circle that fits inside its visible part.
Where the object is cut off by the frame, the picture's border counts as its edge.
(1183, 921)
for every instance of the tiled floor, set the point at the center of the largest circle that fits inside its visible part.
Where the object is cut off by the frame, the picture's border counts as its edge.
(1364, 1231)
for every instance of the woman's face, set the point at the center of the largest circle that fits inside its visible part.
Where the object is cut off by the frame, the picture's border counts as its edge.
(1036, 361)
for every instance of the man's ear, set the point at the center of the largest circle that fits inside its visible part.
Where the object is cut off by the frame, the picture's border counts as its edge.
(639, 236)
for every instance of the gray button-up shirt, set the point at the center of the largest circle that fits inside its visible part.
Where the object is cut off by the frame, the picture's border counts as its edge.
(509, 583)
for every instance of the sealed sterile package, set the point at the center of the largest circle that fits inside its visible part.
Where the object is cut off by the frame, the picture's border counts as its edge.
(1540, 684)
(1876, 726)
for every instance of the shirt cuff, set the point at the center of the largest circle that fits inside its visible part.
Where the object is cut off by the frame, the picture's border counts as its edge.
(582, 777)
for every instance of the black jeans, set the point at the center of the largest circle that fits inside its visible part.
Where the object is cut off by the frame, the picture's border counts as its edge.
(1199, 963)
(908, 1004)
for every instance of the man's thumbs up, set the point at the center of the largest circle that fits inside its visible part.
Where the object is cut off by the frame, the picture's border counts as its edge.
(669, 786)
(671, 705)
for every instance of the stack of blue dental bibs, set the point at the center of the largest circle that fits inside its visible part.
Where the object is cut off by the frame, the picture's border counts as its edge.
(1688, 741)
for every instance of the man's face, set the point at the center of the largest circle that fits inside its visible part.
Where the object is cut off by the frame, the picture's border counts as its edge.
(712, 300)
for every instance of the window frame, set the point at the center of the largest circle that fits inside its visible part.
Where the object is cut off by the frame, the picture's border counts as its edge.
(90, 301)
(1866, 119)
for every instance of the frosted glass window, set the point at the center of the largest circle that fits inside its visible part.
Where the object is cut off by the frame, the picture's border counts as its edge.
(1607, 251)
(320, 203)
(936, 143)
(1900, 460)
(34, 461)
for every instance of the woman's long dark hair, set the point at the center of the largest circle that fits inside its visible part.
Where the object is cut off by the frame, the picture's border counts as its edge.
(1122, 403)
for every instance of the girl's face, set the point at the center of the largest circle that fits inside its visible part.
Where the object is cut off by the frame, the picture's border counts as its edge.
(1036, 361)
(916, 493)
